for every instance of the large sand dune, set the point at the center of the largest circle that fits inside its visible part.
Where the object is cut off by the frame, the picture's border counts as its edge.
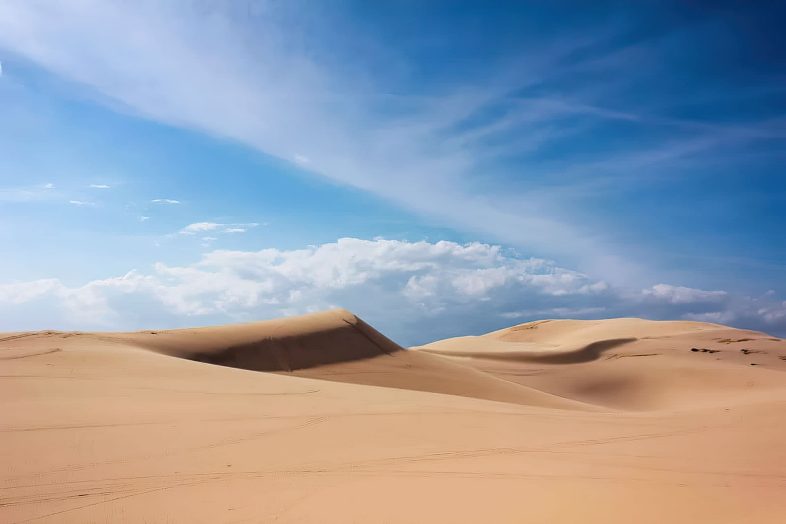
(323, 419)
(335, 345)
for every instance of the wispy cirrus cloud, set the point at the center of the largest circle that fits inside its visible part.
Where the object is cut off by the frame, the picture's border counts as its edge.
(203, 227)
(82, 203)
(200, 227)
(251, 75)
(166, 201)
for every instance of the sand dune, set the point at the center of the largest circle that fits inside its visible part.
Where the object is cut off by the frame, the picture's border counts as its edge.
(323, 419)
(629, 363)
(335, 345)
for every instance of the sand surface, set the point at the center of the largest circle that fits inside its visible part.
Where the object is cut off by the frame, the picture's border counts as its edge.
(323, 419)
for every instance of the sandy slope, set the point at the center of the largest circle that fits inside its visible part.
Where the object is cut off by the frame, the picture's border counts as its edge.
(335, 345)
(629, 363)
(145, 427)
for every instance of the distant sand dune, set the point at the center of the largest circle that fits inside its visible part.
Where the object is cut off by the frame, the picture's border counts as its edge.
(628, 363)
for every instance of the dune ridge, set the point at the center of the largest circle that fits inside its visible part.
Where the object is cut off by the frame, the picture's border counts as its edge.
(628, 363)
(336, 345)
(274, 345)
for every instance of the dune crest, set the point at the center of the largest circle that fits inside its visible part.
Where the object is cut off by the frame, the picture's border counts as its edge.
(275, 345)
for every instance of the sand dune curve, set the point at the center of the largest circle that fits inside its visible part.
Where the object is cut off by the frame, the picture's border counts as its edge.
(336, 345)
(628, 363)
(564, 355)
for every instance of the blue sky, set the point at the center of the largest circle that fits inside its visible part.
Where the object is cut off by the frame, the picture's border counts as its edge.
(187, 162)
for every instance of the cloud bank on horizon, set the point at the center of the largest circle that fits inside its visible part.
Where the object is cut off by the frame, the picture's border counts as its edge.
(614, 145)
(421, 292)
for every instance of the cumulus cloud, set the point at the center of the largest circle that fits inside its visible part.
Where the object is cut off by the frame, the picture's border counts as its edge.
(19, 293)
(410, 283)
(413, 291)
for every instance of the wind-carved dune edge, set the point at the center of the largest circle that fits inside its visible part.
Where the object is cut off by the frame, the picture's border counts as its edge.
(287, 344)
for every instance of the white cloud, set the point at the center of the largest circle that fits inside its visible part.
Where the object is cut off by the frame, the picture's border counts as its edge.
(19, 293)
(144, 218)
(49, 186)
(241, 285)
(81, 203)
(413, 291)
(683, 295)
(199, 227)
(202, 227)
(165, 201)
(773, 313)
(99, 186)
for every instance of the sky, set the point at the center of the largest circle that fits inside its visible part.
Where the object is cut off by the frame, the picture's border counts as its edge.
(438, 168)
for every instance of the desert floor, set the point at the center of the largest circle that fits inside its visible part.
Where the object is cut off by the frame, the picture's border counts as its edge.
(323, 419)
